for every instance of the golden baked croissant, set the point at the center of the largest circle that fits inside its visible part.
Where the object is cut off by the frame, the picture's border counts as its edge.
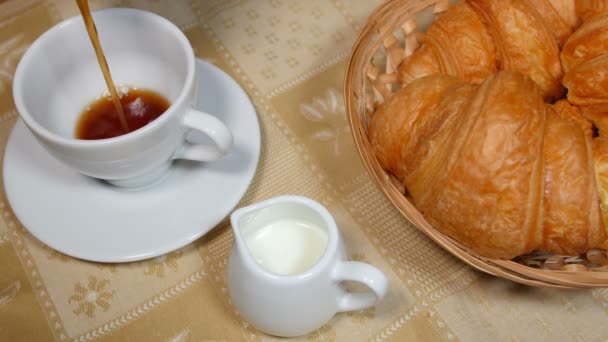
(523, 42)
(587, 42)
(493, 166)
(567, 10)
(587, 84)
(600, 160)
(584, 57)
(572, 221)
(456, 44)
(498, 34)
(559, 16)
(587, 9)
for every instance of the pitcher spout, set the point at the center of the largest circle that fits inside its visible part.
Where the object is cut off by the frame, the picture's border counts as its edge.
(238, 220)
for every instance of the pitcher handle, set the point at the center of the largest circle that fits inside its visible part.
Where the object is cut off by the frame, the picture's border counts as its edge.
(365, 274)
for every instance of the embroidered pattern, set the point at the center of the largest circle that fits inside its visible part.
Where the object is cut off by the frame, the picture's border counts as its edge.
(10, 52)
(328, 111)
(9, 293)
(361, 317)
(160, 265)
(91, 297)
(325, 333)
(55, 255)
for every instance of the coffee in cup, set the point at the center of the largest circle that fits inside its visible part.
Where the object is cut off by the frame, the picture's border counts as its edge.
(59, 75)
(101, 120)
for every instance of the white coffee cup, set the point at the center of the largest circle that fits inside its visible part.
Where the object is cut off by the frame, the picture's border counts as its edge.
(276, 286)
(59, 75)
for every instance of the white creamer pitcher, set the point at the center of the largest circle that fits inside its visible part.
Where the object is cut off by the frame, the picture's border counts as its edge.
(287, 266)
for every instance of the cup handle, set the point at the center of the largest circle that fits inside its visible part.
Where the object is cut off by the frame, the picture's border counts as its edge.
(214, 129)
(363, 273)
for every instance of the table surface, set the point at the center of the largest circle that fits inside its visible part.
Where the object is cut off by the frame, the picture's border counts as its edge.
(290, 57)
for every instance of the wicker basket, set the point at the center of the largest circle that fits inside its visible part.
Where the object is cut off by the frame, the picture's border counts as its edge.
(394, 31)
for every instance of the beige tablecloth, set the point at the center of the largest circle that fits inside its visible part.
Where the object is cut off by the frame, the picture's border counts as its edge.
(290, 57)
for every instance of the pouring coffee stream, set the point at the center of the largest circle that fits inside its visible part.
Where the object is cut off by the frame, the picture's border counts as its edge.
(83, 5)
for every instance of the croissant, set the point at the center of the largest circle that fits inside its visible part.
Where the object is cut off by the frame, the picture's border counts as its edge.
(584, 57)
(587, 84)
(600, 159)
(567, 10)
(559, 16)
(587, 9)
(492, 165)
(589, 41)
(473, 39)
(456, 44)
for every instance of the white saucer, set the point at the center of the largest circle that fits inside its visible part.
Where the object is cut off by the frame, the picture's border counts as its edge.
(91, 220)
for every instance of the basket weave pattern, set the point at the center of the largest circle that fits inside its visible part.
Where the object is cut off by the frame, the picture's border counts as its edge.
(393, 32)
